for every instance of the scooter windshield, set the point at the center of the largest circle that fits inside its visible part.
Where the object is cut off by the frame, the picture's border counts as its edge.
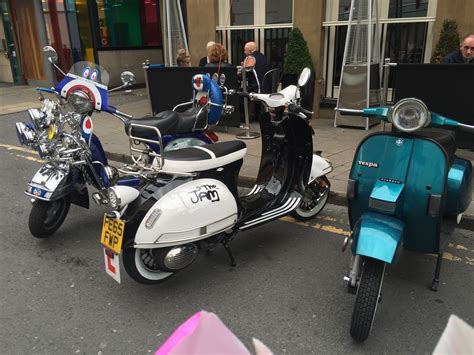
(91, 72)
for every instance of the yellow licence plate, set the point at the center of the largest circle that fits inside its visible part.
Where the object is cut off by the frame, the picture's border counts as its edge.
(112, 234)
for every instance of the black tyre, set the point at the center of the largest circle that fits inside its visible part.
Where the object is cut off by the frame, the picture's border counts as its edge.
(367, 297)
(140, 266)
(314, 199)
(47, 216)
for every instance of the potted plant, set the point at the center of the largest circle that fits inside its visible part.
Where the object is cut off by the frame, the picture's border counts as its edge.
(297, 57)
(448, 41)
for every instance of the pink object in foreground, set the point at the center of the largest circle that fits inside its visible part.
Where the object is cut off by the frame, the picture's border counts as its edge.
(203, 333)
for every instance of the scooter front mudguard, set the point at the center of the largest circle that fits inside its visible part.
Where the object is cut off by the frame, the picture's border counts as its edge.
(50, 183)
(319, 167)
(378, 236)
(192, 211)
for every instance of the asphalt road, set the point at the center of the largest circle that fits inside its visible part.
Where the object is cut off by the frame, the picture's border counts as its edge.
(287, 289)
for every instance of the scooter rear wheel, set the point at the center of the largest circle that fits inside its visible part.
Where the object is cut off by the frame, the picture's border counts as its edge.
(367, 298)
(47, 216)
(140, 266)
(314, 199)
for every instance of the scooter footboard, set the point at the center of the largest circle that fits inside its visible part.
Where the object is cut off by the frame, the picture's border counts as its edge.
(378, 236)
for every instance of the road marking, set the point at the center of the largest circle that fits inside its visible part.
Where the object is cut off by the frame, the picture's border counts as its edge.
(14, 147)
(339, 231)
(27, 157)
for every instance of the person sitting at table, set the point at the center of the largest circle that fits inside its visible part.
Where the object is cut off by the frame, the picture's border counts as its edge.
(465, 53)
(204, 60)
(218, 56)
(183, 59)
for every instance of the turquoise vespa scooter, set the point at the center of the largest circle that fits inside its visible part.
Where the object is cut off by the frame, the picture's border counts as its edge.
(406, 188)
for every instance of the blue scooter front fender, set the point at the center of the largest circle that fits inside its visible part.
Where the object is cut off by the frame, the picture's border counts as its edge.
(378, 236)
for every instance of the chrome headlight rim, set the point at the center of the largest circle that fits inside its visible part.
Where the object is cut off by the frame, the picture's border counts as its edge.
(114, 198)
(413, 104)
(25, 133)
(80, 101)
(38, 118)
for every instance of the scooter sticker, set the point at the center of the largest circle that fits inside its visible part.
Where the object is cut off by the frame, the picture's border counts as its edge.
(204, 193)
(112, 265)
(368, 164)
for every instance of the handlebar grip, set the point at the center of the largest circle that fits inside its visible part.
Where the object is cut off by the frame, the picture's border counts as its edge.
(298, 109)
(112, 109)
(239, 93)
(349, 111)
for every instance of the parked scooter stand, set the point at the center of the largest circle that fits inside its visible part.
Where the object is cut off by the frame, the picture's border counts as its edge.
(406, 188)
(192, 202)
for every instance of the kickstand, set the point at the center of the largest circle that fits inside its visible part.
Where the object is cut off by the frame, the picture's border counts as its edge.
(435, 283)
(229, 252)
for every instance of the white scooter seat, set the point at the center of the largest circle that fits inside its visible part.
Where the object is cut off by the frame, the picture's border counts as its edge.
(204, 157)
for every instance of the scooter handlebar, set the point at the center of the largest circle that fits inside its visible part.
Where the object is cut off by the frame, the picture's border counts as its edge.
(293, 108)
(349, 111)
(240, 93)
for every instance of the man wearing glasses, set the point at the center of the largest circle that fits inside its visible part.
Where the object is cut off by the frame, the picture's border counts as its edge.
(465, 54)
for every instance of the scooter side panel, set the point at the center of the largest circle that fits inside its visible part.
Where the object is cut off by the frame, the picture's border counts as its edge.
(459, 187)
(378, 236)
(379, 157)
(192, 211)
(427, 175)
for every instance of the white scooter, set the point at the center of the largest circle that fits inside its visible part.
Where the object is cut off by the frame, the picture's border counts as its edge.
(192, 203)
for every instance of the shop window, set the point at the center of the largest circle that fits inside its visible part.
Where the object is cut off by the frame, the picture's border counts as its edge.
(407, 8)
(405, 42)
(276, 40)
(242, 12)
(238, 38)
(57, 31)
(129, 23)
(344, 9)
(278, 11)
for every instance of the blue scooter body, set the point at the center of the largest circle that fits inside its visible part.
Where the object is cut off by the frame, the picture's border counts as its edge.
(400, 188)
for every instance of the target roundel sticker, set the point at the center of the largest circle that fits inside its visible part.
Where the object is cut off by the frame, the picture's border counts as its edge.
(94, 75)
(87, 125)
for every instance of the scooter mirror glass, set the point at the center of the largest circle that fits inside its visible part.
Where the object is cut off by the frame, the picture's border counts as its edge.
(304, 77)
(50, 54)
(215, 76)
(222, 79)
(249, 63)
(128, 78)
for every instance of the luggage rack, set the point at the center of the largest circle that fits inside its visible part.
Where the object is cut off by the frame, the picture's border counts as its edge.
(142, 166)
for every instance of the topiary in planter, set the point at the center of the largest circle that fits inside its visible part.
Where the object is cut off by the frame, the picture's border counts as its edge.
(448, 41)
(297, 57)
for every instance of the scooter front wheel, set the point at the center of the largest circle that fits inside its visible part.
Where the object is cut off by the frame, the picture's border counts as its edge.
(314, 199)
(47, 216)
(367, 298)
(140, 266)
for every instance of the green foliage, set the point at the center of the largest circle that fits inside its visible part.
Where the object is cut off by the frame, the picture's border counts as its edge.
(297, 54)
(448, 41)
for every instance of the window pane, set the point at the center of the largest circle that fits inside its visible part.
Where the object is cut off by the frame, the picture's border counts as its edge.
(341, 34)
(238, 38)
(408, 8)
(344, 9)
(241, 12)
(276, 40)
(151, 28)
(278, 11)
(405, 42)
(57, 30)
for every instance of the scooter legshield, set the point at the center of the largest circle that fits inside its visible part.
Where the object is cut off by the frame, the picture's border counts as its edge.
(378, 236)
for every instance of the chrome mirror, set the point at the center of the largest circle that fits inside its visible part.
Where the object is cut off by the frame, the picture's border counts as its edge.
(50, 54)
(222, 79)
(304, 77)
(128, 78)
(215, 76)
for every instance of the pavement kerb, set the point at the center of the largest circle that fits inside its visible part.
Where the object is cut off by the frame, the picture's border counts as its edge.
(335, 197)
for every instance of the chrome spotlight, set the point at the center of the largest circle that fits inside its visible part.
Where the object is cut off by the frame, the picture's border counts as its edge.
(38, 118)
(25, 133)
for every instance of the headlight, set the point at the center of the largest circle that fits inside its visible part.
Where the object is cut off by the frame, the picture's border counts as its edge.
(25, 133)
(38, 118)
(409, 114)
(80, 101)
(114, 198)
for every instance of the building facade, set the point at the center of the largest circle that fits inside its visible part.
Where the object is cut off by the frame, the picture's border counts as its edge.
(122, 34)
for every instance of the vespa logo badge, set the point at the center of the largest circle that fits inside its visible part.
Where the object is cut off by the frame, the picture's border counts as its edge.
(399, 142)
(368, 164)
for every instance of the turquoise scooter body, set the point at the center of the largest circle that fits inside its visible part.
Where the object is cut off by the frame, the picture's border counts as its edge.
(405, 190)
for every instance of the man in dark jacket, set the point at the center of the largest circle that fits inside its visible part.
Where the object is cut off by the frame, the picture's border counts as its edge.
(204, 60)
(465, 53)
(261, 67)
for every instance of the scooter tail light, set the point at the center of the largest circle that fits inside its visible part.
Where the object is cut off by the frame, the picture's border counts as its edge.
(212, 136)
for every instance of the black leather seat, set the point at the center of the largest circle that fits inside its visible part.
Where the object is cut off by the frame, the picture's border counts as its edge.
(170, 122)
(445, 138)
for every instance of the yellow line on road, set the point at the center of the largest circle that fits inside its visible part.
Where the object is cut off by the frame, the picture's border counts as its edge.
(27, 157)
(343, 232)
(14, 147)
